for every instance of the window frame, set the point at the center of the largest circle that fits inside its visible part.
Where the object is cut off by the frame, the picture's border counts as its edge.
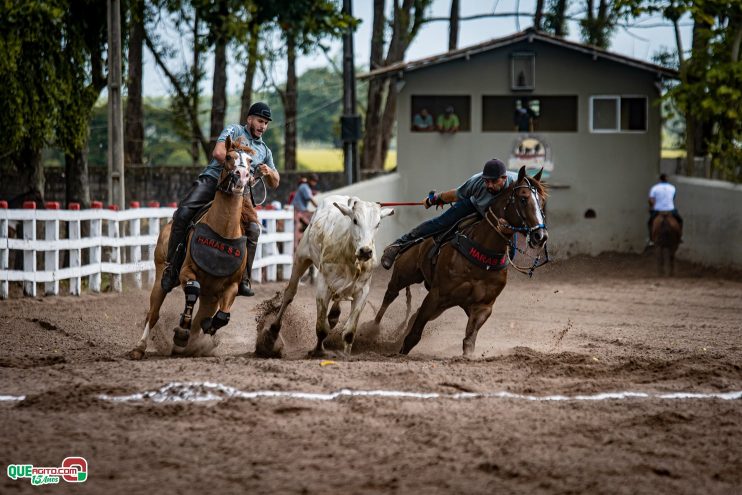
(619, 100)
(522, 55)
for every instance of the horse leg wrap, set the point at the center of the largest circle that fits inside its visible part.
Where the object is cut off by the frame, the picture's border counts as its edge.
(211, 325)
(192, 289)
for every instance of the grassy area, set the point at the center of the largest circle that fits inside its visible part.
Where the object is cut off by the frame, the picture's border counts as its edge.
(331, 159)
(667, 153)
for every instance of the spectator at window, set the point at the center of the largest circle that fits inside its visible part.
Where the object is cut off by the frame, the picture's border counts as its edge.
(448, 122)
(523, 116)
(423, 121)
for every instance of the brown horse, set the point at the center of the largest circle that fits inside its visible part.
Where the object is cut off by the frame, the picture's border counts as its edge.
(473, 280)
(666, 234)
(214, 261)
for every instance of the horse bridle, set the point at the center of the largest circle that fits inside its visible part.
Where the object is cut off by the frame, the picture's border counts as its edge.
(232, 178)
(522, 229)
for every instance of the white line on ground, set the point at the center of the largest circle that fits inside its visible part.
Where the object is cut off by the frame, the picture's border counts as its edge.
(208, 391)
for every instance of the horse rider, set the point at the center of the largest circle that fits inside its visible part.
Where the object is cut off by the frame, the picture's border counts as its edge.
(473, 196)
(204, 190)
(662, 199)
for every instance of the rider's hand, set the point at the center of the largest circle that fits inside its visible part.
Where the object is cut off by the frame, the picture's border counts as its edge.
(434, 199)
(264, 169)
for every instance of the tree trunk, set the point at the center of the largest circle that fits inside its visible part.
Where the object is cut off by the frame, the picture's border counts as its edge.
(252, 64)
(134, 118)
(219, 88)
(290, 104)
(538, 16)
(372, 135)
(453, 28)
(387, 121)
(29, 164)
(559, 21)
(77, 187)
(695, 69)
(193, 92)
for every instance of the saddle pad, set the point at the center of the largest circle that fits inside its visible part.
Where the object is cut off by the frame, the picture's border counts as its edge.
(214, 254)
(479, 256)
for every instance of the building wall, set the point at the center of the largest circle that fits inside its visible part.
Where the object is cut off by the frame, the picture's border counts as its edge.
(608, 173)
(712, 221)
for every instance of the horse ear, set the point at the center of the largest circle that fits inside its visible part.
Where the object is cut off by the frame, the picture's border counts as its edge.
(344, 209)
(521, 173)
(228, 143)
(537, 177)
(385, 212)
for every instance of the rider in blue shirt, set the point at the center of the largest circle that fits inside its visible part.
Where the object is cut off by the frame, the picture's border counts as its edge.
(204, 190)
(474, 195)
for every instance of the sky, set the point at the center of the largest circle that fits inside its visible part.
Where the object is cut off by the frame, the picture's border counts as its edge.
(637, 42)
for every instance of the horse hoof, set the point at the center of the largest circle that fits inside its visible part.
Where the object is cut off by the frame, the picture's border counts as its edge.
(268, 346)
(135, 354)
(180, 337)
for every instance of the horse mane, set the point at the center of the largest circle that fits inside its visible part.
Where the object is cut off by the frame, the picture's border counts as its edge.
(241, 146)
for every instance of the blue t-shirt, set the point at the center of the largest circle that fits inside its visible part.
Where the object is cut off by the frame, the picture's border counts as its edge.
(262, 151)
(476, 191)
(302, 197)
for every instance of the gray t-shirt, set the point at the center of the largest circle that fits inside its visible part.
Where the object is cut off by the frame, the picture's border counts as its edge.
(476, 191)
(262, 152)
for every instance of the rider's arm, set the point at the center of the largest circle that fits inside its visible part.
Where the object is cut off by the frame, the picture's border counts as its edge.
(448, 196)
(268, 169)
(220, 151)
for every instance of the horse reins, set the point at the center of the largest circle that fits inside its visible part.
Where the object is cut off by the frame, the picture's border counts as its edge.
(514, 230)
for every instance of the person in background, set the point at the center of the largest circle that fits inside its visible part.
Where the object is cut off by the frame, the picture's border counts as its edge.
(523, 116)
(303, 198)
(662, 199)
(423, 121)
(448, 122)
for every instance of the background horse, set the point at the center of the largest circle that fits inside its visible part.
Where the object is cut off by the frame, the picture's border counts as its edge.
(666, 233)
(473, 280)
(214, 261)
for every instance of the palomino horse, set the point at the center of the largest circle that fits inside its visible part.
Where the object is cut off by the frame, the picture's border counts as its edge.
(214, 261)
(471, 269)
(666, 233)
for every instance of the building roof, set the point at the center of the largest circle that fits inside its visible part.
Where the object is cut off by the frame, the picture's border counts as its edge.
(530, 35)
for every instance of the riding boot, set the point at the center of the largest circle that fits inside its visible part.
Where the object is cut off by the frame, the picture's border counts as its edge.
(171, 273)
(202, 191)
(253, 233)
(417, 234)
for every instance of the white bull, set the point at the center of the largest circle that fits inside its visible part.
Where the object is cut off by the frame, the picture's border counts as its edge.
(339, 241)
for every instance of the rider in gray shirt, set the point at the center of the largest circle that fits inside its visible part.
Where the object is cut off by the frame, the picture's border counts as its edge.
(204, 190)
(474, 195)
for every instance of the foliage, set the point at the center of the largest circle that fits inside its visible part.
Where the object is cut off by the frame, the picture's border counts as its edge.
(31, 61)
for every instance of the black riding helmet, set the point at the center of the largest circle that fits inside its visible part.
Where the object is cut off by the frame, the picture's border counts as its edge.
(494, 169)
(261, 110)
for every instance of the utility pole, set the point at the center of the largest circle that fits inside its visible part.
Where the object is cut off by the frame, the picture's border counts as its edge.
(350, 122)
(115, 116)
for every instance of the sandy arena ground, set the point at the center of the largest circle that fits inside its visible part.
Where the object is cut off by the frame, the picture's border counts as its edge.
(580, 327)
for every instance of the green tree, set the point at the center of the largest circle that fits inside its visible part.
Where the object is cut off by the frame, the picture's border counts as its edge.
(33, 85)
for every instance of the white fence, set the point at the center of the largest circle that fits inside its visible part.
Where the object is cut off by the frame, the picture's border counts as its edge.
(81, 245)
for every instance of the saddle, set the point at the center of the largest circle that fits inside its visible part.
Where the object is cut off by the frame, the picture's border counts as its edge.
(476, 254)
(214, 254)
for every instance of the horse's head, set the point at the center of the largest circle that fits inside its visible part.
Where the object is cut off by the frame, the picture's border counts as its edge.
(236, 171)
(366, 218)
(524, 210)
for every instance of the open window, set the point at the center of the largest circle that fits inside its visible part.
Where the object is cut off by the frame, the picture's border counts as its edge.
(529, 113)
(618, 114)
(427, 109)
